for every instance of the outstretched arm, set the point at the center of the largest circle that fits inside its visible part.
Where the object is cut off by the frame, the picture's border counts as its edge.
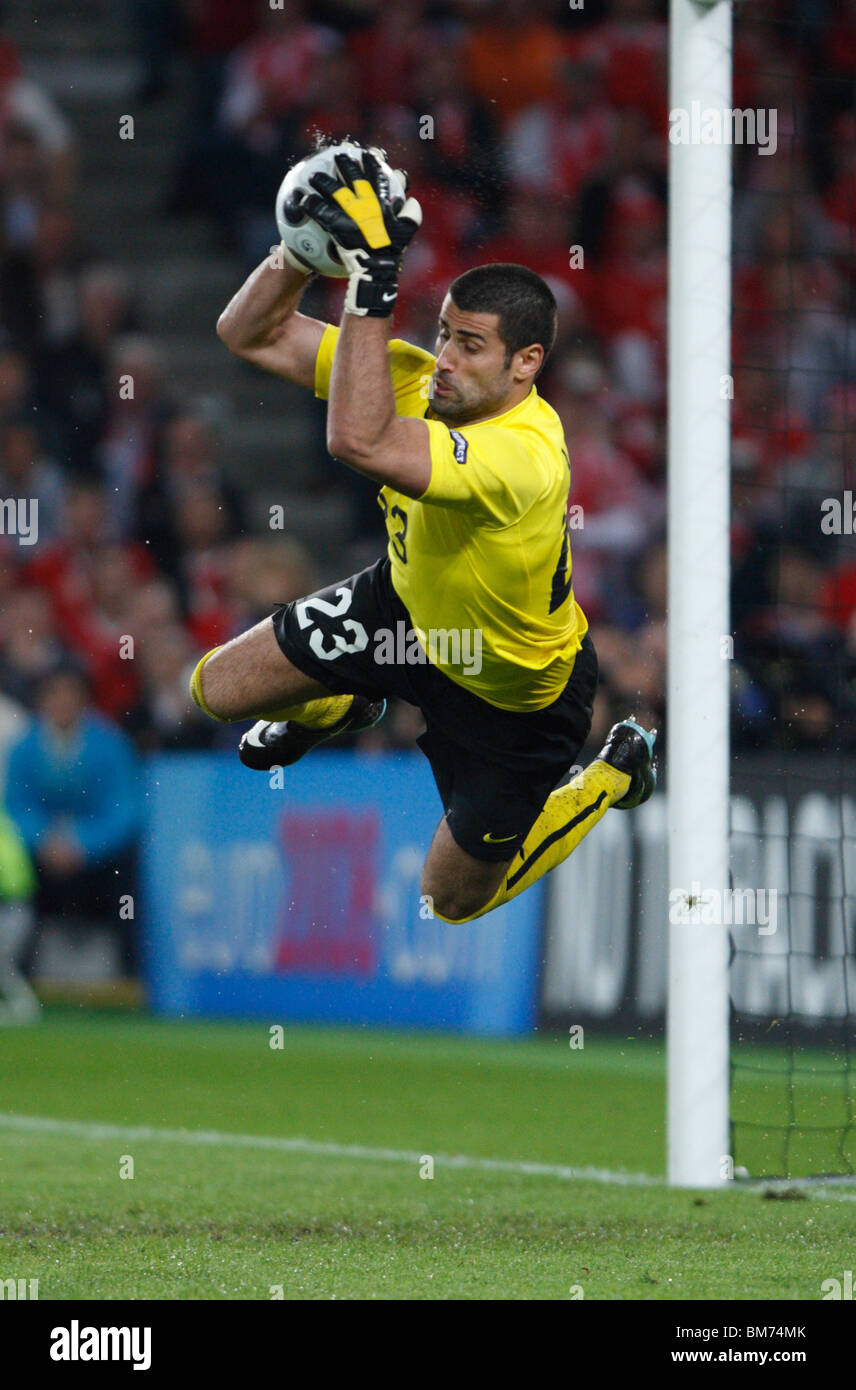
(260, 324)
(371, 233)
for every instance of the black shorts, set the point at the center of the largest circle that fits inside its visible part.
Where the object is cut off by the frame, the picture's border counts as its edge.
(494, 769)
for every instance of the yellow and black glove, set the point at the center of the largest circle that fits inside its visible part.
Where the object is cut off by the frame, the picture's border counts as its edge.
(370, 227)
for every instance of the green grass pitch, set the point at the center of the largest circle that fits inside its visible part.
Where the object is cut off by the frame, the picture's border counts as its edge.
(212, 1219)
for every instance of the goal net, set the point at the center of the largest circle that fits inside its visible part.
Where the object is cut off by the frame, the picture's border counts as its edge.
(792, 976)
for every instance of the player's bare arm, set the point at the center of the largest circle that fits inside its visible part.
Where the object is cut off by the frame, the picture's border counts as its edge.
(261, 325)
(363, 429)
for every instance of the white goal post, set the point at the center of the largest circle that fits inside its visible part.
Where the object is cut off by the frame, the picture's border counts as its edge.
(700, 178)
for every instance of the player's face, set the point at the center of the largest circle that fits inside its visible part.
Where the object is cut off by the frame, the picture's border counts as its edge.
(471, 380)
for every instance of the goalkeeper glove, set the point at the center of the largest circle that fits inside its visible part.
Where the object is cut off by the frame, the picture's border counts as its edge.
(371, 232)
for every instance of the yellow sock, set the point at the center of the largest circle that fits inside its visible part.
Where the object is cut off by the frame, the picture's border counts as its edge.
(315, 714)
(569, 814)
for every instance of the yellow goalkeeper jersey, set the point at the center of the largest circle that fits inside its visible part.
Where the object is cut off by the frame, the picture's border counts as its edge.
(486, 549)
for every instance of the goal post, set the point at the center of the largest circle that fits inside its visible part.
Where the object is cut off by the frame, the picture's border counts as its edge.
(700, 176)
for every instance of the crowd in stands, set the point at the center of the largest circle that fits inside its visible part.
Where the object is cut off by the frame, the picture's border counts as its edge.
(534, 132)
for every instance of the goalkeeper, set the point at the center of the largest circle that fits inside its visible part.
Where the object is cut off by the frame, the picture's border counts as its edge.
(474, 478)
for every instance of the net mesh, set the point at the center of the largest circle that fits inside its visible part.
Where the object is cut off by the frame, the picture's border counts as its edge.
(793, 979)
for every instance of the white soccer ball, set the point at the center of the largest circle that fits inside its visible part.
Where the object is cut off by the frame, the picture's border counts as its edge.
(308, 242)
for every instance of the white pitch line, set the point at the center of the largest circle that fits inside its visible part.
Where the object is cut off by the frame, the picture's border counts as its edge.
(206, 1137)
(80, 1129)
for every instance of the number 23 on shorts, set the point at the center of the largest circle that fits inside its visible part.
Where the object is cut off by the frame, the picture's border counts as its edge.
(357, 638)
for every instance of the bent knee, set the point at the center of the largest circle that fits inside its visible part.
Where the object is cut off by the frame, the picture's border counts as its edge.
(454, 904)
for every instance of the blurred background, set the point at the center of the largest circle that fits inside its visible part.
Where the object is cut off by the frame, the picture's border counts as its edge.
(141, 146)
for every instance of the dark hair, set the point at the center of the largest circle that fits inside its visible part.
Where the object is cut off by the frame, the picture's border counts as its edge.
(65, 667)
(524, 302)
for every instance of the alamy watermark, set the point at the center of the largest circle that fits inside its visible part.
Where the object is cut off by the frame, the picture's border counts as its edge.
(838, 515)
(19, 1288)
(838, 1288)
(408, 646)
(19, 516)
(728, 125)
(76, 1343)
(724, 907)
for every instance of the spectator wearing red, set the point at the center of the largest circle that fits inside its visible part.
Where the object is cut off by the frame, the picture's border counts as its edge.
(387, 51)
(332, 105)
(271, 74)
(633, 47)
(70, 572)
(619, 511)
(202, 529)
(626, 292)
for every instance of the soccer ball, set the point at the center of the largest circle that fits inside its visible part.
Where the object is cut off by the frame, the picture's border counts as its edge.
(306, 241)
